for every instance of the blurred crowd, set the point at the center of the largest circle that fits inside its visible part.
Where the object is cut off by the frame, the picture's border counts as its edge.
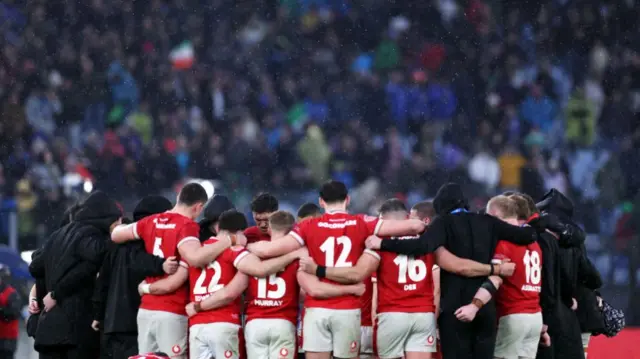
(392, 98)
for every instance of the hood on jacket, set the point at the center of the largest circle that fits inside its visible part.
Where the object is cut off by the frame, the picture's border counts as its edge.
(69, 214)
(556, 203)
(150, 205)
(212, 211)
(449, 198)
(98, 210)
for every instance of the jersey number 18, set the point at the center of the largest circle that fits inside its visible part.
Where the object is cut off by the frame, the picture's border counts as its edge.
(532, 267)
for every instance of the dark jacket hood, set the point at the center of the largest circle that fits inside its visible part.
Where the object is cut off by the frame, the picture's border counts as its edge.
(98, 210)
(449, 198)
(151, 205)
(556, 203)
(212, 211)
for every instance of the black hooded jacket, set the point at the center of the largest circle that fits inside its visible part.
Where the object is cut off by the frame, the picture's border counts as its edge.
(580, 278)
(74, 253)
(465, 234)
(116, 299)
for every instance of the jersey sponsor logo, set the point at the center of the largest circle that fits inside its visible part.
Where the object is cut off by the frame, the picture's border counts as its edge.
(163, 225)
(228, 353)
(175, 349)
(368, 218)
(430, 339)
(284, 352)
(337, 225)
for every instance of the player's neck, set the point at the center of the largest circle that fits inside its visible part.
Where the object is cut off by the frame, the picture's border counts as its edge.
(181, 210)
(336, 208)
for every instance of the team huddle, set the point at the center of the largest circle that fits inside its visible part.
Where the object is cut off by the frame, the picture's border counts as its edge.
(238, 291)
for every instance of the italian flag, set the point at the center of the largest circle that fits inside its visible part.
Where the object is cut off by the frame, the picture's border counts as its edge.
(182, 56)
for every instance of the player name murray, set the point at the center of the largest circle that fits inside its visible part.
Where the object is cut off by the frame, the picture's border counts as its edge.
(267, 302)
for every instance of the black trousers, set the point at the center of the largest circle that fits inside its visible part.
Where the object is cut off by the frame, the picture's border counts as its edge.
(475, 340)
(65, 353)
(566, 337)
(119, 345)
(7, 354)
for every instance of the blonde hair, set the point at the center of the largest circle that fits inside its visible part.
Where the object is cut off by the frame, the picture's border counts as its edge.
(281, 221)
(506, 206)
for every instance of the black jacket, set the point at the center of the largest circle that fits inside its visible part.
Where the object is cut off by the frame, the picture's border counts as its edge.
(75, 253)
(116, 298)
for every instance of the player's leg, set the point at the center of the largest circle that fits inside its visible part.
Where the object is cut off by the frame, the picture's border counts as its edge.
(223, 339)
(345, 333)
(391, 333)
(198, 349)
(172, 334)
(256, 336)
(455, 337)
(282, 338)
(146, 331)
(366, 342)
(316, 334)
(421, 342)
(512, 329)
(529, 345)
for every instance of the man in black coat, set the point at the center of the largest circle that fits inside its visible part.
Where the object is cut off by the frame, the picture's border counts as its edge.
(468, 235)
(73, 253)
(210, 214)
(116, 298)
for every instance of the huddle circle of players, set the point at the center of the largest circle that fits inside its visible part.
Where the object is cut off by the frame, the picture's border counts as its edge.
(201, 310)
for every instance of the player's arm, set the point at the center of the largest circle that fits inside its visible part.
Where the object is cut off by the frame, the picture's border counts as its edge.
(399, 228)
(430, 240)
(269, 249)
(125, 232)
(374, 297)
(464, 267)
(227, 294)
(435, 274)
(367, 264)
(167, 285)
(312, 286)
(252, 265)
(198, 255)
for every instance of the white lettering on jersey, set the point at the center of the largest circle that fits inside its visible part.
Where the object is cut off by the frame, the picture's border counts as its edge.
(530, 288)
(337, 225)
(267, 303)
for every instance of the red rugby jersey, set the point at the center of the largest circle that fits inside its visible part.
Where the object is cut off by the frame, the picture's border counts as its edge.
(254, 234)
(162, 234)
(274, 297)
(366, 301)
(206, 281)
(336, 239)
(405, 284)
(520, 293)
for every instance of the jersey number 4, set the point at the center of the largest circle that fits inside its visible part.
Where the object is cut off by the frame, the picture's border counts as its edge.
(328, 247)
(277, 293)
(416, 269)
(532, 267)
(213, 285)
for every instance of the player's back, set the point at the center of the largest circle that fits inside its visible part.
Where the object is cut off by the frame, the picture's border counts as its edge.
(405, 284)
(336, 239)
(274, 297)
(162, 234)
(205, 281)
(520, 293)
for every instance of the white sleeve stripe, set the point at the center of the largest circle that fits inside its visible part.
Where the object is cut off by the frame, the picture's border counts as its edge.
(373, 253)
(374, 279)
(239, 258)
(184, 264)
(377, 229)
(135, 230)
(297, 237)
(187, 239)
(496, 261)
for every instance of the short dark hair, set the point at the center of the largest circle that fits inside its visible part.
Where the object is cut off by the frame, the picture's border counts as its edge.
(232, 221)
(392, 205)
(509, 193)
(334, 192)
(191, 194)
(425, 209)
(281, 221)
(264, 203)
(309, 210)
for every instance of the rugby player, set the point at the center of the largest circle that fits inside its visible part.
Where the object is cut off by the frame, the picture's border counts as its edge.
(262, 206)
(336, 239)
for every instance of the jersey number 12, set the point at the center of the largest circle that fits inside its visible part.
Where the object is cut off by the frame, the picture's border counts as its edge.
(328, 247)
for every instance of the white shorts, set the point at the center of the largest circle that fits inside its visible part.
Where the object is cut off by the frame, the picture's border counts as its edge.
(366, 340)
(162, 332)
(332, 330)
(214, 340)
(270, 338)
(518, 336)
(398, 333)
